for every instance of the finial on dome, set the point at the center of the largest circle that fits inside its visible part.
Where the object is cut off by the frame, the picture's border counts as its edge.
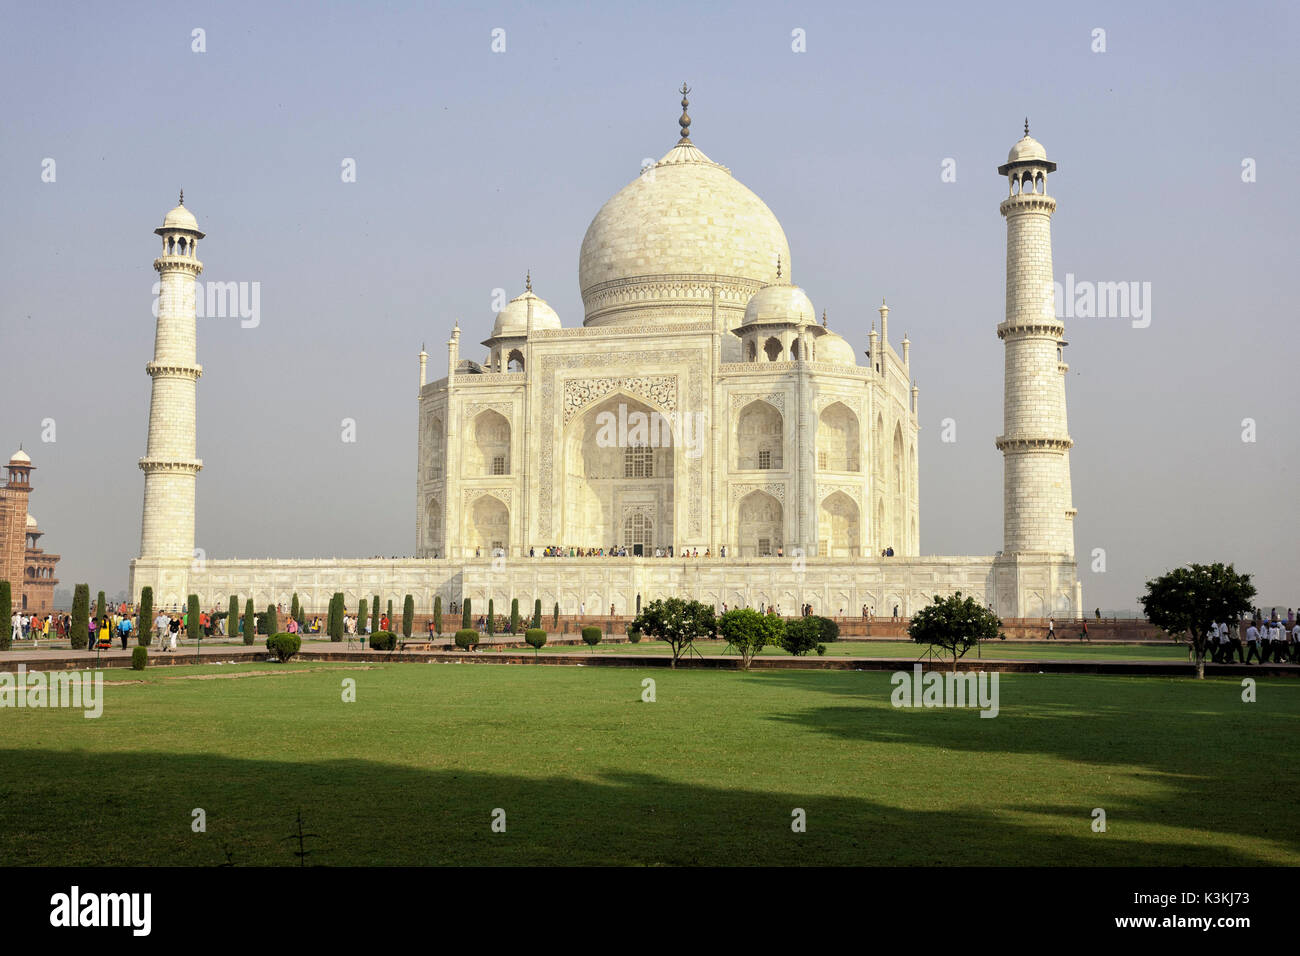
(824, 319)
(528, 281)
(1026, 125)
(685, 121)
(182, 197)
(778, 265)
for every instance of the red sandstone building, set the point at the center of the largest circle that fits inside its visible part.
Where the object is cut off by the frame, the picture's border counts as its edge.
(27, 568)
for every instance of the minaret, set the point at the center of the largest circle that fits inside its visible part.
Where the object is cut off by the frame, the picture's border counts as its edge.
(169, 465)
(424, 365)
(1038, 515)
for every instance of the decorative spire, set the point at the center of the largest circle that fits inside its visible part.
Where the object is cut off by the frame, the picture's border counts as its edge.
(528, 281)
(778, 265)
(1026, 125)
(182, 197)
(824, 319)
(685, 121)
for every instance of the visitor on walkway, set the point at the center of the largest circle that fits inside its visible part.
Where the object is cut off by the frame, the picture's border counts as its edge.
(124, 630)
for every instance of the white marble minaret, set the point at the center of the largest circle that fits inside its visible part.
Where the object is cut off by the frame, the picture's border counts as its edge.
(169, 465)
(1038, 514)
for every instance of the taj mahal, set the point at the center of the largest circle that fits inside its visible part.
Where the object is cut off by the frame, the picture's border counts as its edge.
(703, 429)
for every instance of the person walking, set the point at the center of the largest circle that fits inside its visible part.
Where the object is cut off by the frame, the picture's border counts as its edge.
(1252, 644)
(124, 630)
(1051, 628)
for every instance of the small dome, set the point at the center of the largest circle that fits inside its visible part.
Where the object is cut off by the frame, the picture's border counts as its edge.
(21, 457)
(1027, 150)
(31, 521)
(181, 218)
(779, 303)
(832, 347)
(513, 319)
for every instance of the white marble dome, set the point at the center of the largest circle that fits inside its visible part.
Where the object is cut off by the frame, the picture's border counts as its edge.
(513, 319)
(21, 456)
(181, 218)
(31, 521)
(779, 303)
(832, 347)
(1027, 150)
(655, 250)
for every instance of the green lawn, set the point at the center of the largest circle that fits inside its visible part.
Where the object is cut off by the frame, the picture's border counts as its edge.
(1187, 773)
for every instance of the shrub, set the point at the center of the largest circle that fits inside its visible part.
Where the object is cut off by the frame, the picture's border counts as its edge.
(99, 607)
(802, 635)
(437, 615)
(491, 620)
(467, 638)
(144, 620)
(272, 620)
(749, 632)
(535, 637)
(374, 614)
(80, 635)
(555, 616)
(465, 620)
(383, 641)
(232, 617)
(390, 613)
(821, 650)
(634, 636)
(295, 608)
(336, 618)
(139, 658)
(6, 616)
(283, 646)
(537, 613)
(408, 615)
(591, 635)
(514, 615)
(362, 616)
(830, 630)
(250, 623)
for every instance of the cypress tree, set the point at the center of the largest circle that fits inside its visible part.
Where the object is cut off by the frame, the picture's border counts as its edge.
(374, 615)
(6, 615)
(232, 617)
(80, 616)
(144, 633)
(537, 613)
(555, 617)
(336, 623)
(390, 614)
(272, 620)
(363, 614)
(437, 615)
(408, 615)
(250, 622)
(464, 616)
(192, 626)
(491, 624)
(99, 607)
(295, 608)
(514, 615)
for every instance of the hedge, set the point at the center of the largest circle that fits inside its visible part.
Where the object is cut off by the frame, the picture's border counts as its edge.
(139, 658)
(591, 635)
(535, 637)
(466, 638)
(634, 636)
(383, 641)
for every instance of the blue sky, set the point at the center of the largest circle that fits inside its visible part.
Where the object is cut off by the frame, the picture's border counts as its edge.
(474, 166)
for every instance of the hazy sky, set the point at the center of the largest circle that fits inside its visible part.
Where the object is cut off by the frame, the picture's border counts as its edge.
(474, 166)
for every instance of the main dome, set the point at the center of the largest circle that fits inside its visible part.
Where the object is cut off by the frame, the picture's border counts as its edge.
(657, 249)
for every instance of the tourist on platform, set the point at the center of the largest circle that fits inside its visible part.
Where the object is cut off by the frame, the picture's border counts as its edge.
(16, 627)
(1051, 628)
(1252, 644)
(161, 623)
(174, 630)
(124, 630)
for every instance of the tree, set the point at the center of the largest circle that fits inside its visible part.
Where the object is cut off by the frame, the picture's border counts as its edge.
(374, 615)
(408, 615)
(250, 622)
(361, 616)
(80, 617)
(390, 614)
(295, 609)
(803, 634)
(6, 616)
(437, 615)
(491, 623)
(99, 607)
(537, 613)
(1188, 600)
(749, 632)
(144, 628)
(232, 617)
(464, 615)
(336, 624)
(193, 624)
(955, 624)
(676, 622)
(272, 619)
(535, 638)
(555, 617)
(514, 615)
